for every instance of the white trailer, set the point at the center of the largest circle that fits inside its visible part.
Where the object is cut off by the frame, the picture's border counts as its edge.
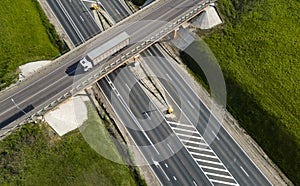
(104, 51)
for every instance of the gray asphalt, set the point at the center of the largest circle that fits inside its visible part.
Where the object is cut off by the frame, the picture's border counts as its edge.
(196, 113)
(115, 9)
(76, 19)
(130, 106)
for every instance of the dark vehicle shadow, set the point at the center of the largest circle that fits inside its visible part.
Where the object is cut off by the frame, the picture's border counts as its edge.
(74, 69)
(16, 116)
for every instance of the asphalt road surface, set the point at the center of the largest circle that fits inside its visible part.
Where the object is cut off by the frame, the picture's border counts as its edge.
(115, 9)
(170, 161)
(76, 18)
(194, 113)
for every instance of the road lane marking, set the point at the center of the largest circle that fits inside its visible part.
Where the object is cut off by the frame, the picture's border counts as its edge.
(215, 135)
(190, 104)
(169, 77)
(193, 132)
(81, 18)
(214, 168)
(184, 130)
(170, 148)
(89, 1)
(158, 166)
(132, 116)
(174, 123)
(196, 137)
(205, 155)
(195, 183)
(244, 171)
(198, 148)
(127, 86)
(71, 21)
(181, 77)
(219, 175)
(147, 115)
(206, 161)
(223, 182)
(142, 153)
(194, 142)
(150, 52)
(87, 10)
(117, 11)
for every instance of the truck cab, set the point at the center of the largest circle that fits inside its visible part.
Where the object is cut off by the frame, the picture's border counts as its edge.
(87, 65)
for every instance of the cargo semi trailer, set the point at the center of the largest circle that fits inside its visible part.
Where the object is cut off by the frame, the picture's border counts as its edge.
(104, 51)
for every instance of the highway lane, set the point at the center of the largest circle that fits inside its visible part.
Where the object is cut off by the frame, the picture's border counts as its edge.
(179, 167)
(115, 9)
(65, 22)
(82, 17)
(76, 19)
(237, 162)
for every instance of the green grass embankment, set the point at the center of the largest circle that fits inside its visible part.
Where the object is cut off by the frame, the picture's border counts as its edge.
(26, 35)
(258, 49)
(34, 155)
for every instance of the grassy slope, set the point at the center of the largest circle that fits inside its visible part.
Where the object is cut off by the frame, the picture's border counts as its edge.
(34, 156)
(259, 52)
(23, 37)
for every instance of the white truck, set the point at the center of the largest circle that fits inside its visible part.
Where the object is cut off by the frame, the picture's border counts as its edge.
(104, 51)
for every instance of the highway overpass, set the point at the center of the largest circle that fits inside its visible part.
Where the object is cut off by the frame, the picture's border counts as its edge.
(52, 85)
